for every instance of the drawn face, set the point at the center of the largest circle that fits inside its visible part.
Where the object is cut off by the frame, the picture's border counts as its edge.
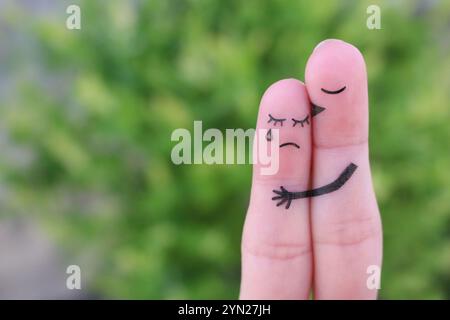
(335, 90)
(285, 107)
(295, 122)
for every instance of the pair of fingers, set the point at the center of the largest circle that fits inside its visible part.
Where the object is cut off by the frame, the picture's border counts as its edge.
(325, 241)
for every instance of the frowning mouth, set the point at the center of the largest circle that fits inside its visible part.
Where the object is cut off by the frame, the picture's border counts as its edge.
(290, 144)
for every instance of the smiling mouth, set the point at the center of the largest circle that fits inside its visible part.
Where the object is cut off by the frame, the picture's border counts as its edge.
(290, 144)
(315, 109)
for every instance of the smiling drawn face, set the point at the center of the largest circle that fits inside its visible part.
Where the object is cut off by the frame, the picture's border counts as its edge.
(335, 90)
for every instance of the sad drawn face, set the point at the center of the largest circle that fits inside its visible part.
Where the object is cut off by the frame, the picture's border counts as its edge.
(285, 107)
(274, 120)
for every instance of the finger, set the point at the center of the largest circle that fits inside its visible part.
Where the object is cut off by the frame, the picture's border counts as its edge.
(345, 223)
(276, 246)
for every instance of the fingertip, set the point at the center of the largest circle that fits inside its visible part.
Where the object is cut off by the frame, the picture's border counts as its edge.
(336, 81)
(337, 44)
(334, 62)
(284, 88)
(326, 42)
(284, 101)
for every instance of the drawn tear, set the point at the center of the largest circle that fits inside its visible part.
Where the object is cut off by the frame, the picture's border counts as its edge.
(269, 135)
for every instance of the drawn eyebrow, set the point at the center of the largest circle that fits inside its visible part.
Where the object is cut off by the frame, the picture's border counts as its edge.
(333, 92)
(306, 120)
(275, 120)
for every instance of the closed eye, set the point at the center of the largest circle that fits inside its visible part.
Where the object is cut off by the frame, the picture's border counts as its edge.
(302, 122)
(333, 92)
(275, 120)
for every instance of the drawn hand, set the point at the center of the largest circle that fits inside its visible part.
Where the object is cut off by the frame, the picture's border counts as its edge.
(283, 196)
(320, 232)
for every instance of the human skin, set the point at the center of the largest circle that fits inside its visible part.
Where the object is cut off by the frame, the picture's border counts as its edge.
(322, 244)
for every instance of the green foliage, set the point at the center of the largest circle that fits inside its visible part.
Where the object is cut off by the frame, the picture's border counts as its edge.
(100, 176)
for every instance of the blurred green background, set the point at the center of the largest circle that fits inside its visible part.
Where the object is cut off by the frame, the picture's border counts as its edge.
(86, 118)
